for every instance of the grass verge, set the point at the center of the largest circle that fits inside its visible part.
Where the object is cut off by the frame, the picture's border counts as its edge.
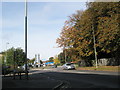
(101, 68)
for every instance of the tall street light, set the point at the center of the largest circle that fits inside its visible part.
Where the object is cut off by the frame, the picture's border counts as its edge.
(26, 70)
(6, 53)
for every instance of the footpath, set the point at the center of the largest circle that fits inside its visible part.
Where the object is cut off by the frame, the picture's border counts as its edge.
(35, 81)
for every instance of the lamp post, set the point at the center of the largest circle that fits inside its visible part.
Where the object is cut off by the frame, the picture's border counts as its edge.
(6, 53)
(14, 64)
(26, 70)
(5, 60)
(39, 60)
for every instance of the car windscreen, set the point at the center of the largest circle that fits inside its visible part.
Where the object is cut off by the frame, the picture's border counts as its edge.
(68, 64)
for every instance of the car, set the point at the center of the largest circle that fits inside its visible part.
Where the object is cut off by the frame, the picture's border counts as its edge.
(54, 66)
(23, 67)
(68, 66)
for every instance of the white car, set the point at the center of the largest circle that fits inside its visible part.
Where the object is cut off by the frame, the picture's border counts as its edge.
(23, 67)
(68, 66)
(28, 68)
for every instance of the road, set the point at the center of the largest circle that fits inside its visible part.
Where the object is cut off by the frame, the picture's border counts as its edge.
(83, 79)
(57, 78)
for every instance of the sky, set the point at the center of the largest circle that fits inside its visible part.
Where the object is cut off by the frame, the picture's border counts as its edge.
(45, 22)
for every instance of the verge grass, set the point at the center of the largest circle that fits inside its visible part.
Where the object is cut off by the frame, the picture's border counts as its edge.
(101, 68)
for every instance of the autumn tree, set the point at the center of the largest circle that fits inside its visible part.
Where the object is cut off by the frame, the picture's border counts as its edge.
(106, 16)
(102, 18)
(56, 60)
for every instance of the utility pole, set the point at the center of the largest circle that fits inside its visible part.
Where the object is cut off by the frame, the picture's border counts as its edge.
(65, 53)
(35, 59)
(26, 70)
(94, 46)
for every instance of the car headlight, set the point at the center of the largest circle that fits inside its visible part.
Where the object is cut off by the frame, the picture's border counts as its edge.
(69, 67)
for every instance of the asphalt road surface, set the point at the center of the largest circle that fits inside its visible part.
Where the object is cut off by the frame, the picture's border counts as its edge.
(56, 78)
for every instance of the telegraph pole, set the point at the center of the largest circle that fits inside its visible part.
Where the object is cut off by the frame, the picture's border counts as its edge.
(65, 53)
(26, 70)
(94, 46)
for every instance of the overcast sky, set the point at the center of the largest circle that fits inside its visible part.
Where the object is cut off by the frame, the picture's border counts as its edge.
(45, 21)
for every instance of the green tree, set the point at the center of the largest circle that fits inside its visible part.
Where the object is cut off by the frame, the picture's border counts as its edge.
(13, 55)
(61, 58)
(19, 56)
(9, 54)
(51, 59)
(41, 62)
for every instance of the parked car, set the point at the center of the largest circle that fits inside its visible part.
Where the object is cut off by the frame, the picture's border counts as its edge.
(54, 66)
(68, 66)
(23, 67)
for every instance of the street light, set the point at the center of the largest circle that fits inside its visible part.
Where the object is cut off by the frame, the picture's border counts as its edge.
(5, 60)
(6, 53)
(26, 70)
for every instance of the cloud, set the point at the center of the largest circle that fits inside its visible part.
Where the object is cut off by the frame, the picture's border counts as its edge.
(53, 12)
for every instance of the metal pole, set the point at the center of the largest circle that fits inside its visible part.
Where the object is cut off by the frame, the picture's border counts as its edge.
(39, 60)
(65, 53)
(26, 70)
(35, 60)
(6, 53)
(94, 46)
(14, 65)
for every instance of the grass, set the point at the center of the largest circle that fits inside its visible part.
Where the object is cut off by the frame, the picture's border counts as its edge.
(101, 68)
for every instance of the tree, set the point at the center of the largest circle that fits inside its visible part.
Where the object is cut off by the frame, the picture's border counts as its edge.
(14, 56)
(77, 33)
(50, 59)
(56, 60)
(20, 56)
(61, 58)
(41, 62)
(107, 17)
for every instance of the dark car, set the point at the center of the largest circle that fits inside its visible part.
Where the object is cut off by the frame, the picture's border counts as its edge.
(54, 66)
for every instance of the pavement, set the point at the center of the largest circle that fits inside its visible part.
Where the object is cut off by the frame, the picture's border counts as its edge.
(36, 80)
